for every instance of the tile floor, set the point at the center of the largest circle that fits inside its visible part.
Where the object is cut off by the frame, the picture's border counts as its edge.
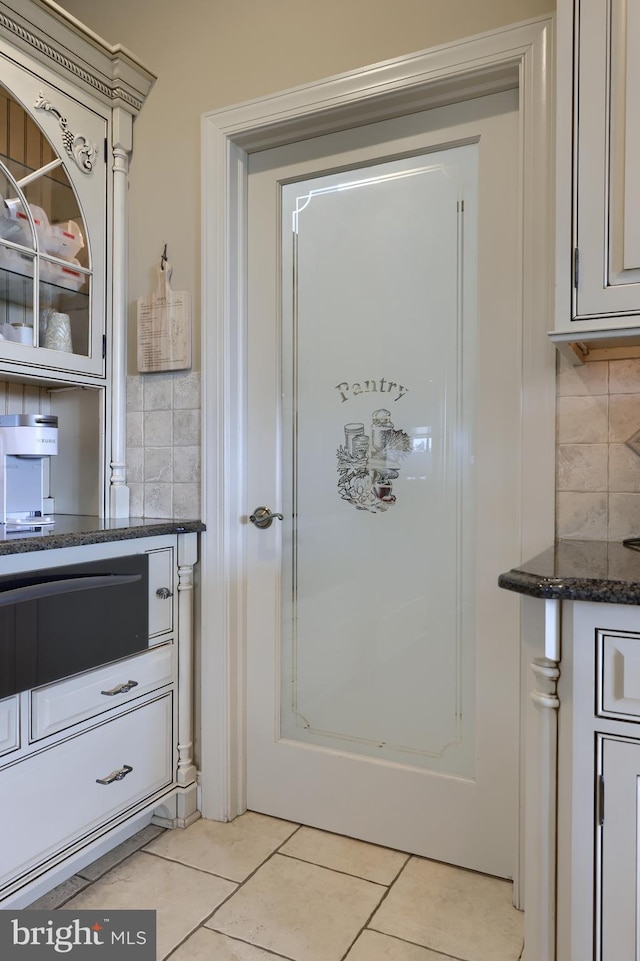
(261, 889)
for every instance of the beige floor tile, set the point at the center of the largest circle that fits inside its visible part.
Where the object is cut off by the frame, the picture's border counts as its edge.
(231, 850)
(299, 910)
(363, 860)
(182, 896)
(456, 912)
(206, 945)
(372, 946)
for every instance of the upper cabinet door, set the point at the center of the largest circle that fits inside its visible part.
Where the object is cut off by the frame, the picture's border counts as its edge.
(53, 227)
(607, 213)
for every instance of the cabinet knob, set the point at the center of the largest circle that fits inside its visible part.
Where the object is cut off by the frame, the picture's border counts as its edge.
(117, 775)
(164, 593)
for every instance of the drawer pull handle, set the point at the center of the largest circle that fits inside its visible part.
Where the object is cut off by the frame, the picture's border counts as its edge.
(164, 593)
(115, 775)
(120, 688)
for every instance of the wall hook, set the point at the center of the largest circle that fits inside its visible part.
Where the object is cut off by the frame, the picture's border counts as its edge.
(164, 258)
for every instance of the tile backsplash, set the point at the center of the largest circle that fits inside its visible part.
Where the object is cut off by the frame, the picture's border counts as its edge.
(598, 469)
(163, 444)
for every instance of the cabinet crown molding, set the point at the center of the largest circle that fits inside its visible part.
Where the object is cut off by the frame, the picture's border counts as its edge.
(49, 34)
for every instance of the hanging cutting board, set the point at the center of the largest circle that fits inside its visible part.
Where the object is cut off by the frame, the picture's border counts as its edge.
(164, 327)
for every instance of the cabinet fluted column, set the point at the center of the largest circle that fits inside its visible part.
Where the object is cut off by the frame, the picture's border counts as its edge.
(121, 147)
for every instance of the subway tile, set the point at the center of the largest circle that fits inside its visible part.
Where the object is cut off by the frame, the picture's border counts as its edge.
(582, 467)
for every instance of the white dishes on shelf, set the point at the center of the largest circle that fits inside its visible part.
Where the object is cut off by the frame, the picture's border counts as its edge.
(17, 227)
(61, 240)
(64, 240)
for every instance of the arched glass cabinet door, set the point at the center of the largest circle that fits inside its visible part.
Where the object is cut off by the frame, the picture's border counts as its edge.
(47, 299)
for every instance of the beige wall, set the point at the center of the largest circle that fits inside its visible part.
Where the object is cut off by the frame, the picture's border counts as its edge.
(213, 53)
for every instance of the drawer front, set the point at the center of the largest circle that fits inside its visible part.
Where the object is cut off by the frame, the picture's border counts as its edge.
(618, 675)
(9, 727)
(68, 702)
(161, 592)
(54, 798)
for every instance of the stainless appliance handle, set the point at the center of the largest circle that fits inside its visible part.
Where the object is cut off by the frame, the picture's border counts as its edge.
(66, 585)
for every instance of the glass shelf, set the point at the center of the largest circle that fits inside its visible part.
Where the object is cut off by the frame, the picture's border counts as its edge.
(17, 309)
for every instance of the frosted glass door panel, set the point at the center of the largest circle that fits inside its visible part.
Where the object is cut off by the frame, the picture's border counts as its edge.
(379, 325)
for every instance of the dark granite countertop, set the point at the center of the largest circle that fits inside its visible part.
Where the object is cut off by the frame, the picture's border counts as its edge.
(73, 530)
(604, 571)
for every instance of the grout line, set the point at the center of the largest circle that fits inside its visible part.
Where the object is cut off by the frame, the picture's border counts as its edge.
(231, 937)
(346, 874)
(365, 926)
(425, 947)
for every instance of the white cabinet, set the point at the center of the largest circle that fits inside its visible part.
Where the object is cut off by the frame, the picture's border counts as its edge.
(585, 894)
(9, 714)
(67, 105)
(598, 190)
(54, 205)
(67, 101)
(89, 758)
(87, 779)
(617, 865)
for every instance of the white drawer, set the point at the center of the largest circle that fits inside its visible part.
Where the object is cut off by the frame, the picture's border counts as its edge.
(82, 696)
(161, 591)
(53, 798)
(618, 675)
(9, 727)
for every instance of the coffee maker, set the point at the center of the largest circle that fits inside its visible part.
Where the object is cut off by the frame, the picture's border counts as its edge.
(26, 440)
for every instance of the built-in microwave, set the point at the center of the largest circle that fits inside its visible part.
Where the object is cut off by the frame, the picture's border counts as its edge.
(61, 621)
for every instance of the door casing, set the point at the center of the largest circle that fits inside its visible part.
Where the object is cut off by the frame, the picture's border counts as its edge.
(519, 55)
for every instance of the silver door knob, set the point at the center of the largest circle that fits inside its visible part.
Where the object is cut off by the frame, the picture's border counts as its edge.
(263, 518)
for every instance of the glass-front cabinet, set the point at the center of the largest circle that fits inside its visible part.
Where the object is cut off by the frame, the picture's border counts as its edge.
(53, 228)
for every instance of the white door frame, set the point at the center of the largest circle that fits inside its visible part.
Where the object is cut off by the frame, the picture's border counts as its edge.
(520, 55)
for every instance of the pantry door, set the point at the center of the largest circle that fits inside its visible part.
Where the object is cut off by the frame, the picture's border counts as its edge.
(384, 396)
